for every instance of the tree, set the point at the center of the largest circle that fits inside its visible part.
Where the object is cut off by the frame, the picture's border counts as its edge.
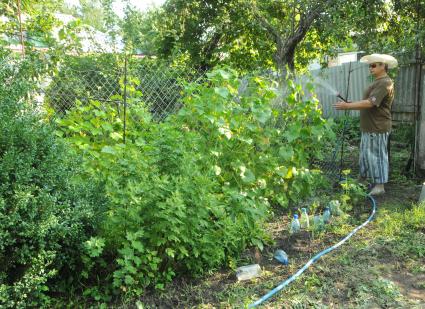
(136, 30)
(402, 29)
(251, 34)
(35, 28)
(89, 12)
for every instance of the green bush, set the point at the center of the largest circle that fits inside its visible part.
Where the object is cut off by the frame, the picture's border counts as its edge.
(45, 212)
(187, 195)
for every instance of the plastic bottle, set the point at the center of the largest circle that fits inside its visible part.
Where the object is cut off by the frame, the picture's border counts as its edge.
(326, 215)
(317, 222)
(248, 272)
(304, 221)
(295, 225)
(281, 256)
(334, 207)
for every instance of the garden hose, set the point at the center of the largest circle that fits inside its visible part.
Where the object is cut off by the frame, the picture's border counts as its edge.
(283, 284)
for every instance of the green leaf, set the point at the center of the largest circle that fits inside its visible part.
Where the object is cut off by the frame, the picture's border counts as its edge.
(222, 91)
(129, 280)
(138, 246)
(108, 149)
(116, 136)
(140, 141)
(226, 132)
(107, 126)
(258, 243)
(210, 118)
(286, 152)
(262, 115)
(293, 133)
(248, 176)
(249, 141)
(170, 252)
(224, 74)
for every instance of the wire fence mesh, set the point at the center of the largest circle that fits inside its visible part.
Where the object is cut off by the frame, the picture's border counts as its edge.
(69, 85)
(160, 87)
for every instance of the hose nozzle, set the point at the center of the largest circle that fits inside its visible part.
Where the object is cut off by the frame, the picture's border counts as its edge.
(340, 97)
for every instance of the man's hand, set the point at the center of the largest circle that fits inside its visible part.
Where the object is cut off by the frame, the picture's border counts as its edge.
(341, 105)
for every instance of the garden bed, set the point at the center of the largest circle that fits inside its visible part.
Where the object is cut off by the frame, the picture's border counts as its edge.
(374, 269)
(365, 270)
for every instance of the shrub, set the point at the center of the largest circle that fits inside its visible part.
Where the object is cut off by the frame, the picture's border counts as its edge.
(45, 212)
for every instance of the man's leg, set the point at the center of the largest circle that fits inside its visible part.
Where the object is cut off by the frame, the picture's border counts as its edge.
(362, 165)
(364, 162)
(379, 158)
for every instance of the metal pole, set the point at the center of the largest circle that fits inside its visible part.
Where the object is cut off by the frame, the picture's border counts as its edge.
(125, 96)
(419, 136)
(419, 144)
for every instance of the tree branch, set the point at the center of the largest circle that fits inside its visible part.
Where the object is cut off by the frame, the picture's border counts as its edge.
(264, 22)
(286, 44)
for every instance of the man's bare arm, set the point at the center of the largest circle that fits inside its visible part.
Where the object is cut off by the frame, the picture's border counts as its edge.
(358, 105)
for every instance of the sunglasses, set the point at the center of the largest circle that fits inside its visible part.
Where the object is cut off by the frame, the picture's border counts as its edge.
(373, 65)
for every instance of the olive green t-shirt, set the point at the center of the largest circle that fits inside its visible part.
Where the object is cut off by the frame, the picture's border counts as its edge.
(378, 118)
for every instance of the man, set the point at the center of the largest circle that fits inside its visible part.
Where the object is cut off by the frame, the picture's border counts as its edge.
(375, 121)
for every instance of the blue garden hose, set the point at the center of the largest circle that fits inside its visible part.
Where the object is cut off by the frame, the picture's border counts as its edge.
(283, 284)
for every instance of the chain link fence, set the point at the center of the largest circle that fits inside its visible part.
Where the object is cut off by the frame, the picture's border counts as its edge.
(111, 81)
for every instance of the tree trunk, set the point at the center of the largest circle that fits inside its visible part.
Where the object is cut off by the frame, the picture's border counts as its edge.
(21, 33)
(285, 46)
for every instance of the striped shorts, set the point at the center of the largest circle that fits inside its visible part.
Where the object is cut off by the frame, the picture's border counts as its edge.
(373, 158)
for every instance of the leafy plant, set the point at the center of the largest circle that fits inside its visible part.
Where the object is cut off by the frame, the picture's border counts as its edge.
(354, 193)
(190, 193)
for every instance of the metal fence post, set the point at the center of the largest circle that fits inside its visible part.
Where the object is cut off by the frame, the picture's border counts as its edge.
(125, 97)
(418, 161)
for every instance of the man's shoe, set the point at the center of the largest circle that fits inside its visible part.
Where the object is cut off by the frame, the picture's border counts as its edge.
(377, 190)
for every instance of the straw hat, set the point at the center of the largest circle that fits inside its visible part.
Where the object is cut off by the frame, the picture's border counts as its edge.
(383, 58)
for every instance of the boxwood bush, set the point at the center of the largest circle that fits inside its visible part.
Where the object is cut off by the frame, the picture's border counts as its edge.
(46, 211)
